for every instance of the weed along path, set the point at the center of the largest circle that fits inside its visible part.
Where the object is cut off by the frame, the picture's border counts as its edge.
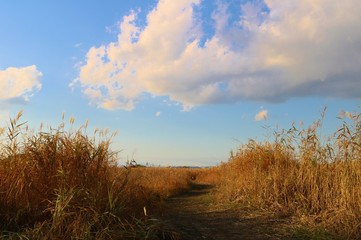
(193, 217)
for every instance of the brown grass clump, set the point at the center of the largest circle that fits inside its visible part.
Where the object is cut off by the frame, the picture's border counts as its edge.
(301, 174)
(209, 175)
(59, 184)
(165, 182)
(146, 188)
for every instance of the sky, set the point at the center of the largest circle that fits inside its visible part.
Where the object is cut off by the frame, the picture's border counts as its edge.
(181, 82)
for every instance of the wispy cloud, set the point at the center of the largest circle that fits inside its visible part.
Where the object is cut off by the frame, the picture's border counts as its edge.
(19, 84)
(157, 114)
(261, 115)
(271, 51)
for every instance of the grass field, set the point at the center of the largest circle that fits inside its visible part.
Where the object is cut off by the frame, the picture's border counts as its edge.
(58, 184)
(303, 174)
(62, 183)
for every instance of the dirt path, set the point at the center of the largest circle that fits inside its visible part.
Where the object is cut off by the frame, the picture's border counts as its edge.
(193, 216)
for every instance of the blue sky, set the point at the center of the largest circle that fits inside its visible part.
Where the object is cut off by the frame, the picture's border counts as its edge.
(182, 82)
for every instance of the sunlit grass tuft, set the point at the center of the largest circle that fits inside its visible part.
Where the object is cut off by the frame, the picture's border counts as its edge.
(302, 174)
(63, 184)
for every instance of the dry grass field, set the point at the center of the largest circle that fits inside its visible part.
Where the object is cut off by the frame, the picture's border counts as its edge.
(64, 184)
(300, 173)
(59, 184)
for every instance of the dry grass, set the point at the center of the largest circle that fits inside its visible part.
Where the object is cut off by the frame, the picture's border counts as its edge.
(165, 182)
(62, 184)
(301, 174)
(59, 183)
(209, 175)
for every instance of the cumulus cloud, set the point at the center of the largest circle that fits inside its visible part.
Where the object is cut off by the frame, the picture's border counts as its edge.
(267, 51)
(19, 84)
(262, 115)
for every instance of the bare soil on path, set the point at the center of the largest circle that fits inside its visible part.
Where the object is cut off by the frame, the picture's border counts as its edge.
(194, 217)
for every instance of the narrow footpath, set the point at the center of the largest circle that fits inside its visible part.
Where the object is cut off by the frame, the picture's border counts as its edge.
(193, 217)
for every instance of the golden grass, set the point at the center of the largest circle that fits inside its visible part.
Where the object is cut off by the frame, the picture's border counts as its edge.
(59, 183)
(300, 174)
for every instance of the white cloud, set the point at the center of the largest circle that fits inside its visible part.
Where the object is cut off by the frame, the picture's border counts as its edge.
(19, 83)
(261, 115)
(157, 114)
(294, 49)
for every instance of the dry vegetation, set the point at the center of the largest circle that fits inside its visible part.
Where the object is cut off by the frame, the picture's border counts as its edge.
(316, 180)
(59, 183)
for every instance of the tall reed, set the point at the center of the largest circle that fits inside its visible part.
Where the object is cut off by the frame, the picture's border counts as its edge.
(62, 184)
(302, 173)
